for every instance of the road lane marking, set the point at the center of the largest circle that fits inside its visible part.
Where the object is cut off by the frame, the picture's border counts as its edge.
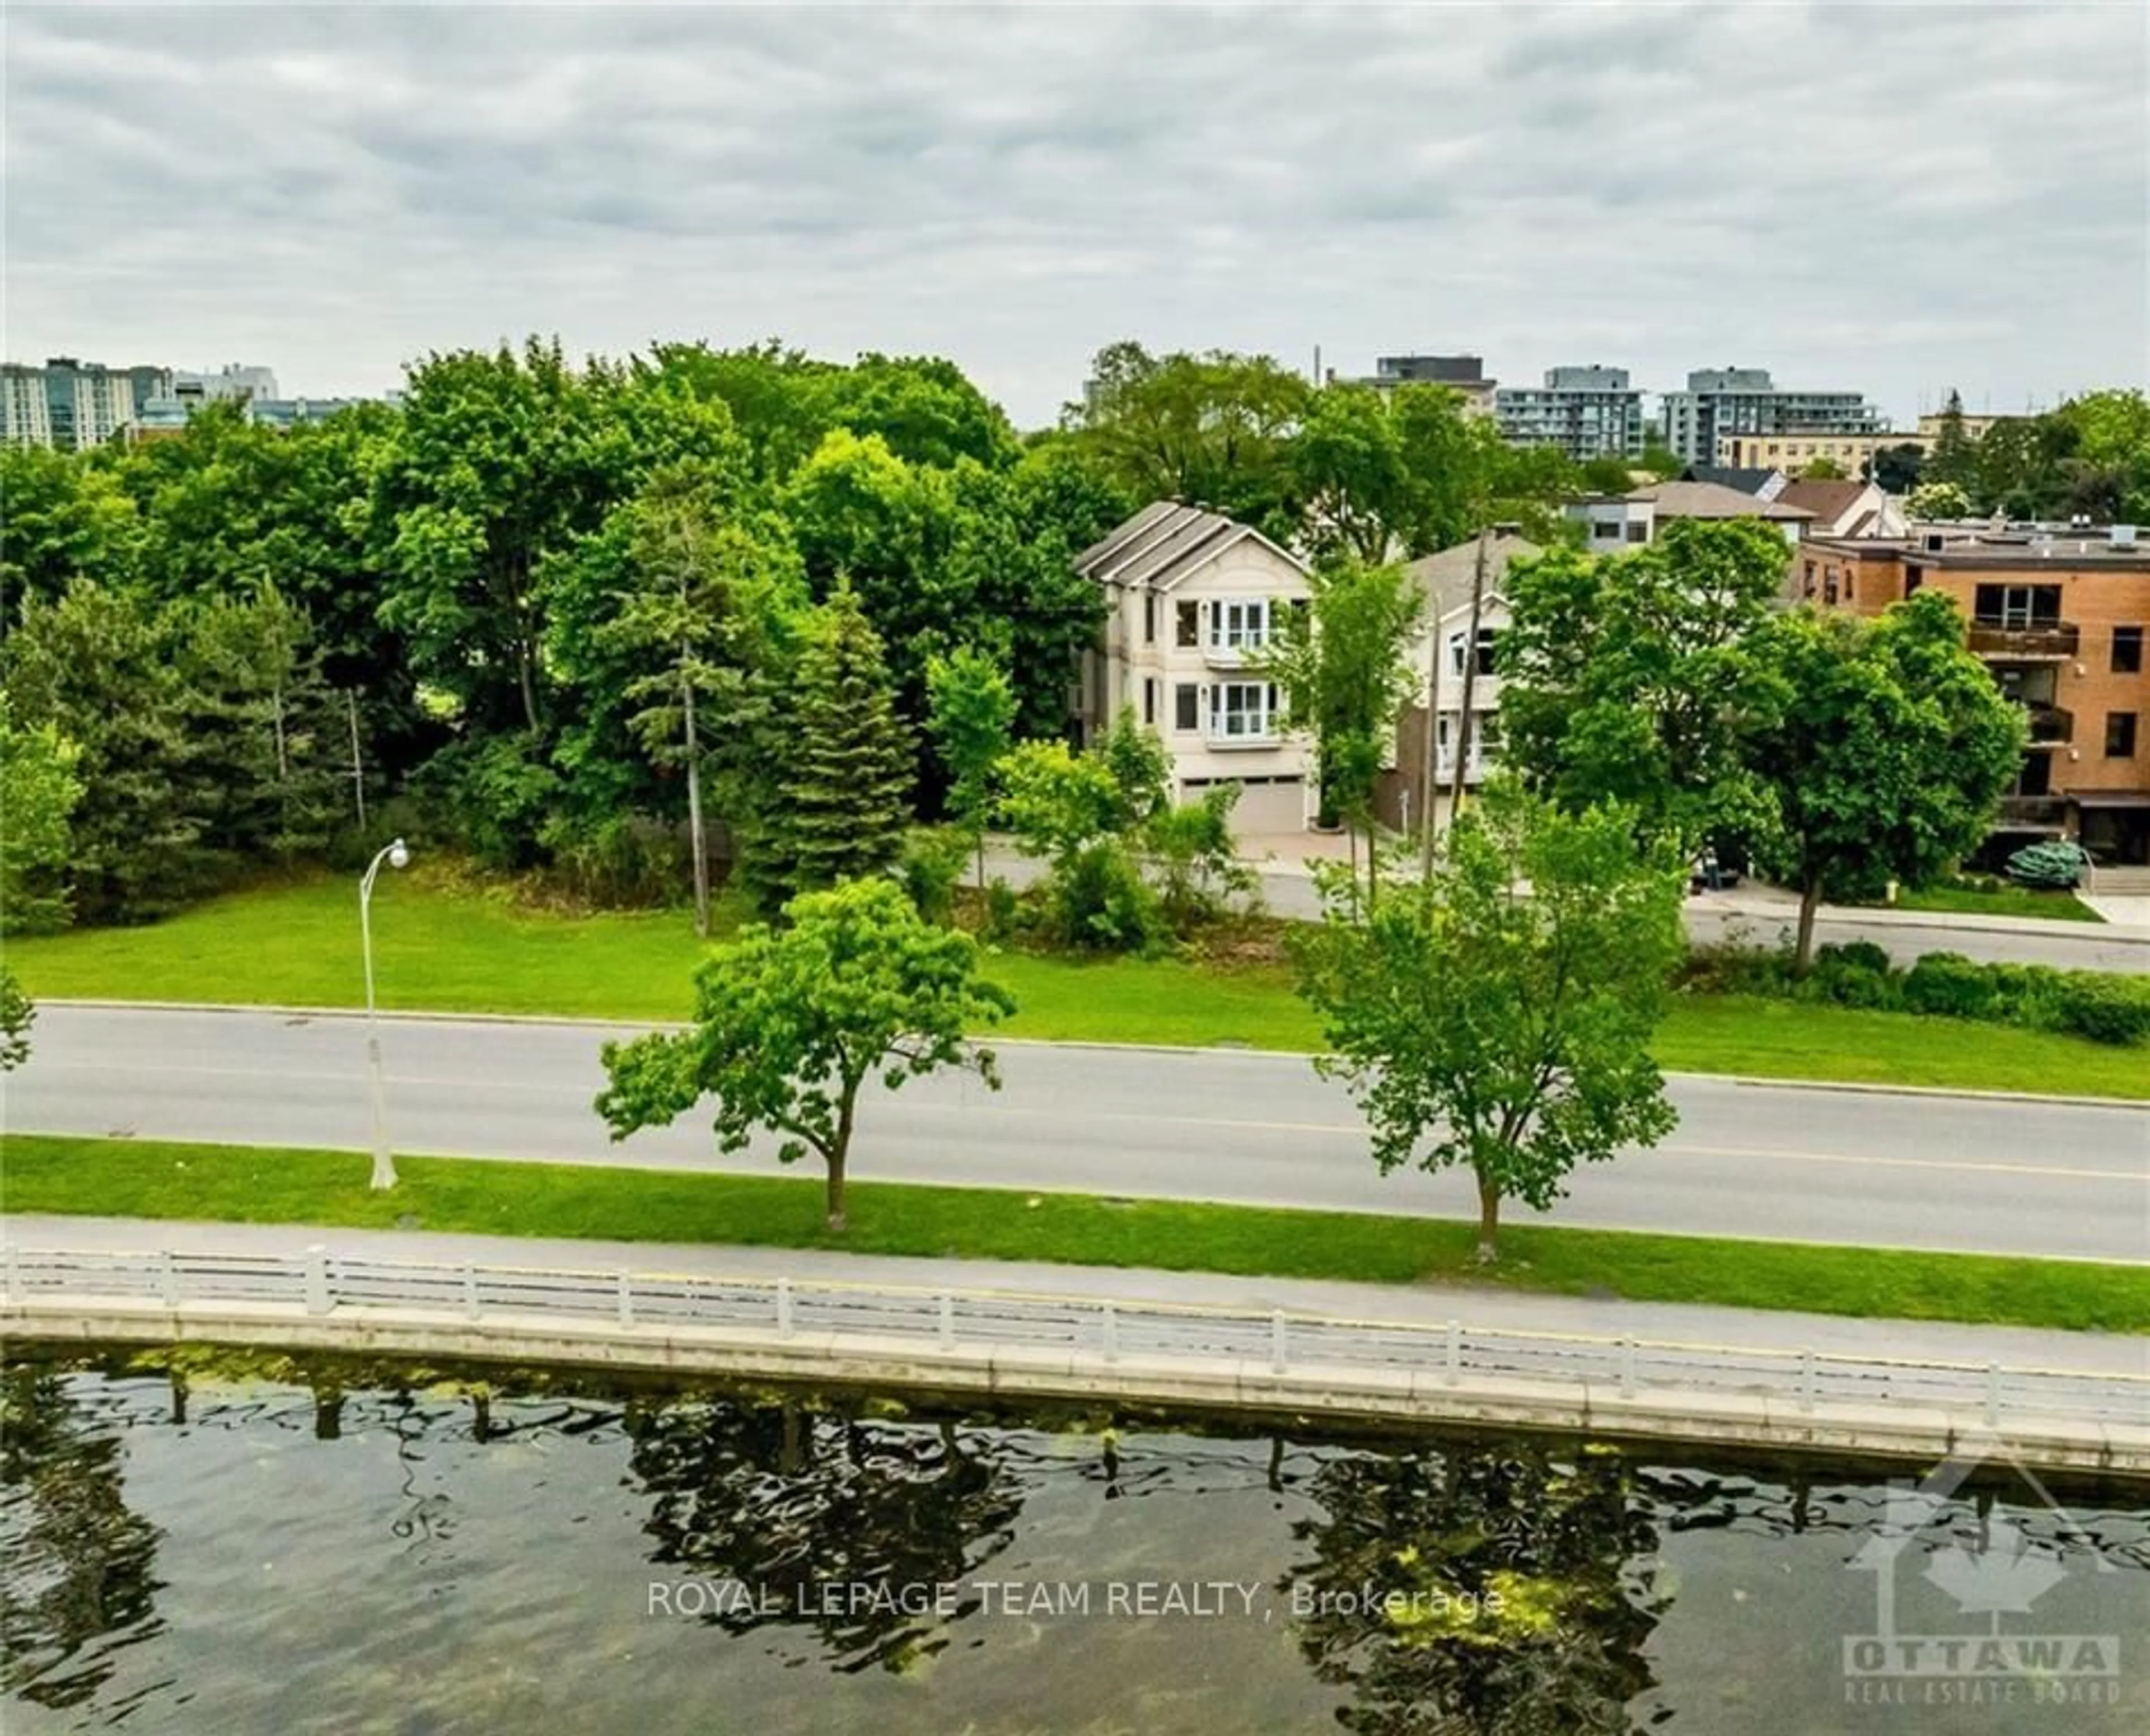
(982, 1104)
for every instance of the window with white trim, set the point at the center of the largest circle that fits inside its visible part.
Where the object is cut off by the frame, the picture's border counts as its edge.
(1242, 710)
(1486, 635)
(1239, 623)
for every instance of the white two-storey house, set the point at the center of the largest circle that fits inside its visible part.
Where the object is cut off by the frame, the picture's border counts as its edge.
(1447, 577)
(1191, 598)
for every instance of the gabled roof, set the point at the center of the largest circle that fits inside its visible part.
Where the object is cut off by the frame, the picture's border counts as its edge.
(1827, 501)
(1446, 574)
(1164, 542)
(1711, 500)
(1746, 480)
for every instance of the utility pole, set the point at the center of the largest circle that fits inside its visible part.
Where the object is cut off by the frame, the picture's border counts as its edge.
(1470, 673)
(1428, 773)
(357, 763)
(695, 799)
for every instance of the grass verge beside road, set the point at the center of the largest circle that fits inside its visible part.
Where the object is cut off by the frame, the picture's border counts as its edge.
(156, 1179)
(441, 948)
(2007, 901)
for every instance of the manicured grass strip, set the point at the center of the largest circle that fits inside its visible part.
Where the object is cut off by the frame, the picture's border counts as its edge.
(1801, 1040)
(447, 949)
(2053, 906)
(156, 1179)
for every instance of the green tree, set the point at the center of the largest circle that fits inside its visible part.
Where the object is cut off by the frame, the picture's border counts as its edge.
(496, 461)
(1954, 455)
(17, 1016)
(1086, 814)
(1341, 667)
(271, 740)
(970, 711)
(1883, 751)
(39, 790)
(1938, 500)
(103, 668)
(1898, 468)
(832, 800)
(791, 1022)
(1214, 430)
(1821, 470)
(1628, 676)
(1506, 1033)
(1607, 475)
(65, 515)
(659, 622)
(1350, 470)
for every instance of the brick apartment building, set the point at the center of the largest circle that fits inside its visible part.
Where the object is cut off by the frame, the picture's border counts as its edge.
(2059, 617)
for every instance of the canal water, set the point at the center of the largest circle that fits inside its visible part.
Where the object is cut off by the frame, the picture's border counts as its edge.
(238, 1545)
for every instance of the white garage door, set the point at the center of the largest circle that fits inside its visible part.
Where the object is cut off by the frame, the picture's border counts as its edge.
(1271, 808)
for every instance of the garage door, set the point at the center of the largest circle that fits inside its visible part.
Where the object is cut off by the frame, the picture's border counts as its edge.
(1279, 807)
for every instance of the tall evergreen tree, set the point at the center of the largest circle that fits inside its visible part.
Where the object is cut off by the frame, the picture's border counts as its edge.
(1955, 457)
(834, 798)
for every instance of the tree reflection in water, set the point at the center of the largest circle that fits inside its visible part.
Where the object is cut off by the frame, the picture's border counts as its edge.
(1492, 1591)
(80, 1562)
(784, 1507)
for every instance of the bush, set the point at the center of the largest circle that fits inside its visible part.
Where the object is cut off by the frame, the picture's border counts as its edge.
(930, 868)
(1100, 903)
(2103, 1009)
(1856, 956)
(2055, 864)
(1728, 967)
(1003, 911)
(626, 862)
(1947, 985)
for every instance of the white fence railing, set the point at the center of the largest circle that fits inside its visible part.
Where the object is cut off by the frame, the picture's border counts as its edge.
(319, 1283)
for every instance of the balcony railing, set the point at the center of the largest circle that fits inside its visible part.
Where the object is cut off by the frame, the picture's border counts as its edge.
(1996, 638)
(1475, 769)
(2051, 726)
(2034, 809)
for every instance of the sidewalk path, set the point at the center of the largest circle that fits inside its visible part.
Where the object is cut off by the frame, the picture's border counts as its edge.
(2022, 1347)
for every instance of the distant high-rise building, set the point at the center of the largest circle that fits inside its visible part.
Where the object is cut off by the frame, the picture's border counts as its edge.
(1722, 402)
(72, 405)
(1464, 375)
(1587, 412)
(235, 379)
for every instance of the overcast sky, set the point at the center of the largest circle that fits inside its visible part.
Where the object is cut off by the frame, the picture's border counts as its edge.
(1896, 198)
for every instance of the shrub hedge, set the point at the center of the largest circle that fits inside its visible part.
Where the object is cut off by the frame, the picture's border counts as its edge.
(2102, 1008)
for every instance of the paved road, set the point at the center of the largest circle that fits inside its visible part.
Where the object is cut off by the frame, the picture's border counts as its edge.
(1856, 1168)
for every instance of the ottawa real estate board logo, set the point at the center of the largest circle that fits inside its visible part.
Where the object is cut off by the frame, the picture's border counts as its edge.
(1934, 1552)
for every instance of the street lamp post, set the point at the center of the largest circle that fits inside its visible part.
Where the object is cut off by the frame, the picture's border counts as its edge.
(396, 856)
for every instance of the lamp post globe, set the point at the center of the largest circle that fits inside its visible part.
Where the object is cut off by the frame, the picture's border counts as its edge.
(396, 855)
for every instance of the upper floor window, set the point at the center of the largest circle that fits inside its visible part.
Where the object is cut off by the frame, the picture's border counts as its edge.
(2127, 650)
(1149, 618)
(2017, 605)
(2120, 735)
(1456, 643)
(1242, 710)
(1186, 632)
(1239, 623)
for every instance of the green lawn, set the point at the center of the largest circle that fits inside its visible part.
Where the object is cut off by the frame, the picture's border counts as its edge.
(2003, 901)
(447, 949)
(150, 1178)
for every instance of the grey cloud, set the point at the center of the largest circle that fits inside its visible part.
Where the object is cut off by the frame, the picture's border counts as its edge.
(1894, 197)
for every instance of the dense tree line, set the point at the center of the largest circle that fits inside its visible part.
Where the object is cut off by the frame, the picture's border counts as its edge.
(574, 615)
(2089, 457)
